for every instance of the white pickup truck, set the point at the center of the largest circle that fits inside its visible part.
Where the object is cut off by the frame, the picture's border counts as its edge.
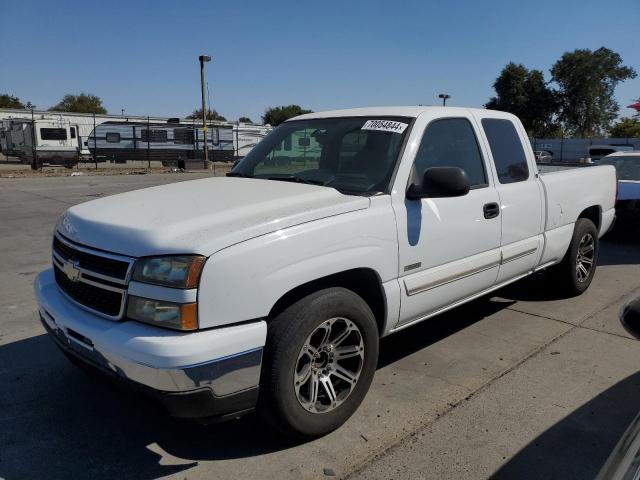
(271, 288)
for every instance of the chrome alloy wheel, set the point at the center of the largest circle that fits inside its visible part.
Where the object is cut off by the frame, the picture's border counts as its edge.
(329, 365)
(585, 257)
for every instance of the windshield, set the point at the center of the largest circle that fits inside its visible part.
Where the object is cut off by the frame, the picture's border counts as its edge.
(627, 168)
(354, 155)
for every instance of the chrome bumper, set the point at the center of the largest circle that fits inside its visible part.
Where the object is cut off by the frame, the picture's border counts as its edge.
(227, 360)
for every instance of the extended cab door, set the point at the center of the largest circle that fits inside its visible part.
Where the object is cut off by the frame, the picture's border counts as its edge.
(520, 192)
(448, 247)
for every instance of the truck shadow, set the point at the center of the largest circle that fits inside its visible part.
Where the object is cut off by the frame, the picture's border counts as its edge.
(57, 422)
(619, 249)
(78, 426)
(577, 446)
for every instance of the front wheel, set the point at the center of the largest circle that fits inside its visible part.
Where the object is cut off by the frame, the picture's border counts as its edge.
(575, 273)
(320, 358)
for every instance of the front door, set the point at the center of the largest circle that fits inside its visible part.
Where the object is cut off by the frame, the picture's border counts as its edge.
(448, 247)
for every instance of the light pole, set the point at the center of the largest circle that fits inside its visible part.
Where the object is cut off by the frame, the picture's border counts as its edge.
(444, 97)
(203, 59)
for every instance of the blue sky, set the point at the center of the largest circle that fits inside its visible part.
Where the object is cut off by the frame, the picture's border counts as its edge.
(142, 55)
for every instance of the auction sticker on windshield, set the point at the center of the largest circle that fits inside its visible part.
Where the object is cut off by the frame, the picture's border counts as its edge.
(385, 126)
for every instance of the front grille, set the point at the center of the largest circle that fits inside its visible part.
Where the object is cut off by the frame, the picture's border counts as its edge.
(106, 266)
(96, 280)
(96, 298)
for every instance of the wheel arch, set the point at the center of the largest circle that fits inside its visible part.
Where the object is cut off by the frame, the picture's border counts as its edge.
(364, 282)
(593, 213)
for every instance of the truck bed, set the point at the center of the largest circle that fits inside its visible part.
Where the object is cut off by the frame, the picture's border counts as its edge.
(569, 191)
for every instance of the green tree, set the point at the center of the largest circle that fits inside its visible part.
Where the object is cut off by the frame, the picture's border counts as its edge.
(10, 101)
(586, 83)
(626, 128)
(211, 115)
(276, 115)
(245, 120)
(524, 93)
(83, 103)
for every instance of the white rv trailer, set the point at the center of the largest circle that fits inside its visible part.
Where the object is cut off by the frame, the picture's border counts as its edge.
(47, 141)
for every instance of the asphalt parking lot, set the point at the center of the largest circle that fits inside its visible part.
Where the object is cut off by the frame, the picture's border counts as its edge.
(522, 385)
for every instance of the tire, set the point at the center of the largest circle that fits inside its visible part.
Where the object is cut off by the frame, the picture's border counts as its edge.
(290, 407)
(569, 275)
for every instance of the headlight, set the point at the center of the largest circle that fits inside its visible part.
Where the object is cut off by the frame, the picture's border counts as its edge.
(178, 271)
(180, 316)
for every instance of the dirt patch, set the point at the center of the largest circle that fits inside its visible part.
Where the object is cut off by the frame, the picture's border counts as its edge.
(20, 172)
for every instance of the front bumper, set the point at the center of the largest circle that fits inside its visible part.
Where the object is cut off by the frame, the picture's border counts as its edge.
(202, 374)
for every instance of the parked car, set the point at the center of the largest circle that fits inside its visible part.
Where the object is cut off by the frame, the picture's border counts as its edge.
(596, 152)
(271, 288)
(627, 165)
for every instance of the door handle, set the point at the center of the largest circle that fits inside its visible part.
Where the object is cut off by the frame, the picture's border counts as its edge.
(491, 210)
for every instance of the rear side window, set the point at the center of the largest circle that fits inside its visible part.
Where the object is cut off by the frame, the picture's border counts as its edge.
(507, 151)
(53, 133)
(451, 142)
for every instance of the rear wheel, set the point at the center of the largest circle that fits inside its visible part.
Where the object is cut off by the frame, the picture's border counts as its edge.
(575, 273)
(320, 358)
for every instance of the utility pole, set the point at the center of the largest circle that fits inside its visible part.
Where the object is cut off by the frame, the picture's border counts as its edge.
(444, 97)
(203, 59)
(34, 155)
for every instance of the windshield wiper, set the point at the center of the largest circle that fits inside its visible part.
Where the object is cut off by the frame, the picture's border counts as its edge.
(294, 178)
(239, 174)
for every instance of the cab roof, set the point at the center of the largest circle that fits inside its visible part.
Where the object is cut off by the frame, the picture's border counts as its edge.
(406, 111)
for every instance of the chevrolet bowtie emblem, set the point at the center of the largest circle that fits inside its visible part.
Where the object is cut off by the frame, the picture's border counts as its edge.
(71, 271)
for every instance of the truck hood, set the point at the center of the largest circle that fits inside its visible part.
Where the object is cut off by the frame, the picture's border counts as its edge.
(199, 216)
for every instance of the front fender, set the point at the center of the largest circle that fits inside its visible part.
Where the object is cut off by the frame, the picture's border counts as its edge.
(244, 281)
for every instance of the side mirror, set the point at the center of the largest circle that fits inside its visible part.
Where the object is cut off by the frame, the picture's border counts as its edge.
(630, 317)
(438, 182)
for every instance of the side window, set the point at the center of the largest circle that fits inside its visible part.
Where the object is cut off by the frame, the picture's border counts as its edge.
(72, 131)
(112, 137)
(53, 133)
(451, 142)
(183, 136)
(157, 136)
(507, 151)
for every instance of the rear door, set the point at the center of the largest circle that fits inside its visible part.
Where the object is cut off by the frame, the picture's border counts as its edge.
(520, 193)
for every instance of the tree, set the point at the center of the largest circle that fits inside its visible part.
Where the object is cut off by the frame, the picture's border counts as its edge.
(83, 103)
(626, 128)
(276, 115)
(524, 93)
(211, 115)
(586, 83)
(245, 120)
(10, 101)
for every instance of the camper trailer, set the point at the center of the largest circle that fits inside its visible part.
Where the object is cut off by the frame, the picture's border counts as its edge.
(47, 141)
(247, 135)
(174, 144)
